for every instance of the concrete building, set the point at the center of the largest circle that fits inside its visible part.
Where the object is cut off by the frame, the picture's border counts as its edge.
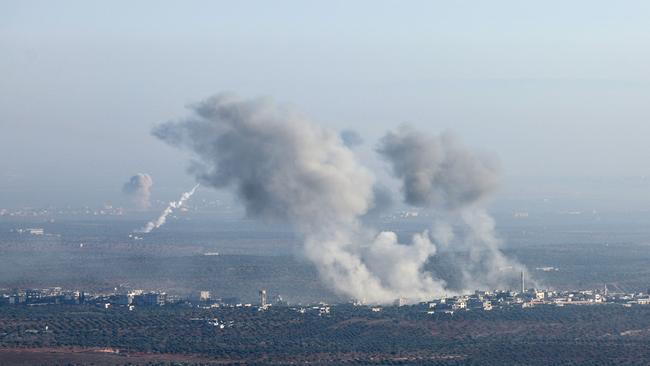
(460, 304)
(150, 299)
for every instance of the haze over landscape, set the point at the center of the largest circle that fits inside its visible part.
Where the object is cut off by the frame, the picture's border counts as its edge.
(422, 182)
(555, 90)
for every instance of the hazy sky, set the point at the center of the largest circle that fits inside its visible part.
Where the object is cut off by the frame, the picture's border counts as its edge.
(558, 90)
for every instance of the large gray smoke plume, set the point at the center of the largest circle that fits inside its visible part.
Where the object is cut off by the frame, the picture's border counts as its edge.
(138, 189)
(282, 166)
(440, 173)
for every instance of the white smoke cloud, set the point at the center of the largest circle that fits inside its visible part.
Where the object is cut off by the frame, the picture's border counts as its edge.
(138, 188)
(162, 219)
(283, 167)
(439, 172)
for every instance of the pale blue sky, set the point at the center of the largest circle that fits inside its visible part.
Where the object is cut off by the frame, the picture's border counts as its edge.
(558, 90)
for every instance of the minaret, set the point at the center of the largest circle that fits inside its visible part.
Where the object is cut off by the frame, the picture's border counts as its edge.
(263, 298)
(523, 283)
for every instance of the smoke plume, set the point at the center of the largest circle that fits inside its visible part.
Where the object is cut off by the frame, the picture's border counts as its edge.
(138, 189)
(284, 167)
(160, 221)
(438, 172)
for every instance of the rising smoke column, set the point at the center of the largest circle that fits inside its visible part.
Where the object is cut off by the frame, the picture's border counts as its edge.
(282, 166)
(160, 221)
(138, 189)
(439, 172)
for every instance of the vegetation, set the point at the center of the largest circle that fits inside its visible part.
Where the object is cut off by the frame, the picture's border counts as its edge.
(572, 335)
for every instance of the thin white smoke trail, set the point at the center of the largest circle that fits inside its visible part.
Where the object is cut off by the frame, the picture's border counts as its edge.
(160, 221)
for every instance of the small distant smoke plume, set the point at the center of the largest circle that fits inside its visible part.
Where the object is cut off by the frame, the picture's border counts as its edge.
(138, 189)
(438, 172)
(162, 219)
(351, 138)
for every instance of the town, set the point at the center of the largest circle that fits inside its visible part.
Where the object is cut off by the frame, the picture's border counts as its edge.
(493, 327)
(477, 301)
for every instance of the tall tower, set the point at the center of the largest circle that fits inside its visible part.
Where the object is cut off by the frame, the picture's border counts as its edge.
(263, 299)
(523, 283)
